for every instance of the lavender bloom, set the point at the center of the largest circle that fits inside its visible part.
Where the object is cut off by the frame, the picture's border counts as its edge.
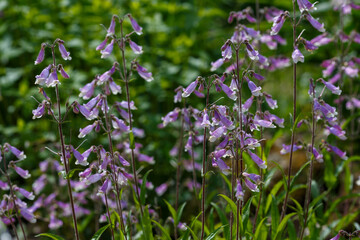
(123, 161)
(146, 158)
(93, 178)
(19, 154)
(278, 23)
(287, 148)
(337, 131)
(39, 184)
(39, 111)
(297, 56)
(351, 71)
(228, 91)
(337, 151)
(170, 117)
(318, 157)
(190, 88)
(136, 48)
(305, 5)
(255, 91)
(115, 89)
(271, 102)
(318, 26)
(330, 67)
(88, 90)
(106, 75)
(217, 133)
(215, 65)
(248, 104)
(144, 73)
(332, 88)
(86, 130)
(80, 160)
(257, 76)
(28, 215)
(119, 124)
(28, 195)
(62, 72)
(107, 51)
(223, 167)
(251, 185)
(64, 54)
(52, 80)
(337, 237)
(321, 40)
(41, 55)
(104, 188)
(253, 54)
(54, 222)
(226, 52)
(135, 25)
(261, 164)
(309, 46)
(254, 177)
(206, 120)
(160, 190)
(41, 79)
(102, 45)
(111, 29)
(4, 185)
(239, 194)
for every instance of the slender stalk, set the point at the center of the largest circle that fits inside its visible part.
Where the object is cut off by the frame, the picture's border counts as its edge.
(308, 189)
(126, 80)
(66, 163)
(178, 169)
(14, 230)
(203, 171)
(13, 199)
(283, 211)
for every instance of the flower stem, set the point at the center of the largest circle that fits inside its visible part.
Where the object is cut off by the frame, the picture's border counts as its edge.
(308, 189)
(283, 211)
(66, 163)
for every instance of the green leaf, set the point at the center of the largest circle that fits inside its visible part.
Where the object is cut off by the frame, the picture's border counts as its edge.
(179, 213)
(171, 209)
(50, 235)
(186, 235)
(223, 219)
(329, 175)
(275, 217)
(246, 212)
(230, 202)
(282, 173)
(273, 192)
(227, 181)
(298, 174)
(282, 224)
(98, 234)
(213, 234)
(146, 224)
(291, 230)
(72, 171)
(258, 228)
(143, 187)
(166, 234)
(132, 139)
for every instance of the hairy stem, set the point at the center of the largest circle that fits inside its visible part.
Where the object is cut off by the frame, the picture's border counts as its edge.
(308, 189)
(63, 152)
(283, 211)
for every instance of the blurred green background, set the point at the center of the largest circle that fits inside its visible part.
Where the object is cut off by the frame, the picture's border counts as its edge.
(180, 40)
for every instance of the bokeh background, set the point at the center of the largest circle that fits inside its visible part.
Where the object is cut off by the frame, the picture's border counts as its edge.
(180, 40)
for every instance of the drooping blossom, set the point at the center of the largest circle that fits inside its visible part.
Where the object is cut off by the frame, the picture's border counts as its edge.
(144, 73)
(297, 56)
(41, 54)
(136, 48)
(135, 25)
(64, 54)
(108, 50)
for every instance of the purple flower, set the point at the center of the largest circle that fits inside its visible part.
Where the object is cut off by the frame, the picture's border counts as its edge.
(330, 67)
(28, 195)
(119, 124)
(271, 102)
(305, 5)
(255, 91)
(331, 87)
(297, 56)
(145, 158)
(337, 131)
(287, 148)
(257, 160)
(254, 177)
(321, 40)
(135, 25)
(19, 154)
(318, 157)
(54, 223)
(337, 151)
(136, 48)
(41, 55)
(226, 52)
(62, 72)
(88, 90)
(337, 237)
(144, 73)
(115, 89)
(217, 133)
(160, 190)
(4, 185)
(111, 29)
(253, 54)
(309, 46)
(52, 80)
(39, 184)
(64, 54)
(222, 165)
(102, 45)
(278, 23)
(28, 215)
(251, 185)
(170, 117)
(215, 65)
(351, 71)
(315, 23)
(107, 51)
(86, 130)
(123, 161)
(228, 91)
(41, 79)
(93, 178)
(39, 111)
(106, 75)
(248, 104)
(190, 88)
(239, 194)
(206, 120)
(104, 188)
